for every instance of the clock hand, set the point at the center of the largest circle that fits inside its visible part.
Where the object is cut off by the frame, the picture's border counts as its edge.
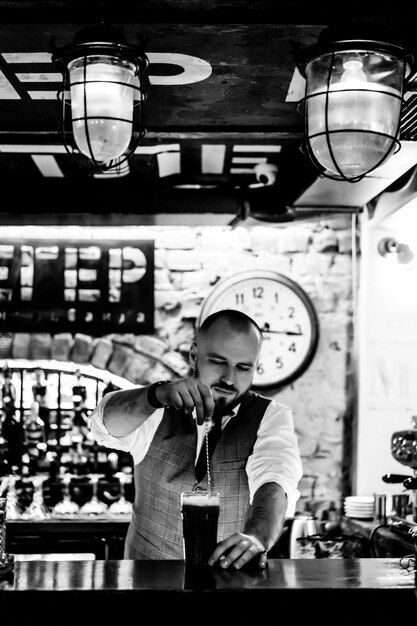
(280, 332)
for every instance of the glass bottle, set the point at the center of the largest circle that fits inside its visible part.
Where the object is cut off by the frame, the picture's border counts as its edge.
(3, 556)
(40, 395)
(8, 392)
(80, 425)
(4, 463)
(78, 457)
(34, 434)
(6, 560)
(11, 427)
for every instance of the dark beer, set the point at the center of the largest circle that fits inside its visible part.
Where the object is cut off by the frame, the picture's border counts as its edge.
(200, 514)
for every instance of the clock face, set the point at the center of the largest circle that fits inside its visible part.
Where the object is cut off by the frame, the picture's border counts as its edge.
(285, 315)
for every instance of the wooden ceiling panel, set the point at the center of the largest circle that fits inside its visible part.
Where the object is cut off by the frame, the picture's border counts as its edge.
(223, 99)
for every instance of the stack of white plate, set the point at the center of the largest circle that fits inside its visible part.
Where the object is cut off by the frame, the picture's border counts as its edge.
(361, 507)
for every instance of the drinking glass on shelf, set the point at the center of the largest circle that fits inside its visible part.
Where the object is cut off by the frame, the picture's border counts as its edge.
(121, 506)
(37, 509)
(13, 508)
(94, 506)
(66, 507)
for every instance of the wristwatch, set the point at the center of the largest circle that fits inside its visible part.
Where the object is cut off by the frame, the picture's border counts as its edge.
(151, 396)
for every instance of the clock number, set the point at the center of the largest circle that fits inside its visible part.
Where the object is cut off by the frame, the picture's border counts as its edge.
(279, 363)
(240, 298)
(258, 292)
(292, 348)
(291, 312)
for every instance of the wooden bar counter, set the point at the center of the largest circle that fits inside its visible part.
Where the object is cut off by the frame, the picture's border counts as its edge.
(303, 591)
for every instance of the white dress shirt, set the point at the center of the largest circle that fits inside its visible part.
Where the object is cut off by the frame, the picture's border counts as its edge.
(275, 456)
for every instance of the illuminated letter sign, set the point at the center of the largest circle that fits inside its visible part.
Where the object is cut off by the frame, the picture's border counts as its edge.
(77, 286)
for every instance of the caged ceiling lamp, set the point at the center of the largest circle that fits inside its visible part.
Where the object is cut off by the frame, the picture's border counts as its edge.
(353, 100)
(104, 87)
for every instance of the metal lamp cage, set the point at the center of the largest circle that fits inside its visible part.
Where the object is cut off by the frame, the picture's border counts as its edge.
(328, 144)
(113, 52)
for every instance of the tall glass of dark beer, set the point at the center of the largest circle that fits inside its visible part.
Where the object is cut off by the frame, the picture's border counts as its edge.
(200, 514)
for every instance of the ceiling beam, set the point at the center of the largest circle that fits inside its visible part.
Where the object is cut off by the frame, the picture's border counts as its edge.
(193, 11)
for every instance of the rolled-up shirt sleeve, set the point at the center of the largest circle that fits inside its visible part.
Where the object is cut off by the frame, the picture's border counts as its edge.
(276, 456)
(137, 442)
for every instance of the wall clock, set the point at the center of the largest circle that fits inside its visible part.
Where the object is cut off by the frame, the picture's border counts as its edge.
(285, 313)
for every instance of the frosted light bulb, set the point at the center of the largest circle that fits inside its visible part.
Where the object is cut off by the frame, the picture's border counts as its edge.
(353, 75)
(102, 95)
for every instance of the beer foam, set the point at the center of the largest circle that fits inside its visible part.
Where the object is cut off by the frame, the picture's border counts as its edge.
(202, 500)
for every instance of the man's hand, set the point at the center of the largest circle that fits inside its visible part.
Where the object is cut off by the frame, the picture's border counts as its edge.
(237, 550)
(262, 530)
(186, 395)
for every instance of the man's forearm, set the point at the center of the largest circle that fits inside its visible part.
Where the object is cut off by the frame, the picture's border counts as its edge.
(126, 410)
(267, 514)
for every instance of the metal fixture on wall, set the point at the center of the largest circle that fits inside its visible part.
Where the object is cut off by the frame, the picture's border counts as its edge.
(353, 100)
(104, 85)
(392, 249)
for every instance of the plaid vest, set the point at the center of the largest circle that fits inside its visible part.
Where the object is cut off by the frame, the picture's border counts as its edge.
(155, 531)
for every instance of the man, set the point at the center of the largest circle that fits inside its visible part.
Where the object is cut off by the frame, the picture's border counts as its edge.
(255, 465)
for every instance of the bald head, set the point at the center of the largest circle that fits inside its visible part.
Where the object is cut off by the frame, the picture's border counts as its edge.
(238, 321)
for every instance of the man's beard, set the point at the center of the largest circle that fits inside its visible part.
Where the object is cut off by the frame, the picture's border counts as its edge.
(223, 405)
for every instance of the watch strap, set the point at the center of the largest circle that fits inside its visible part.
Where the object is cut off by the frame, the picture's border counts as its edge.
(151, 395)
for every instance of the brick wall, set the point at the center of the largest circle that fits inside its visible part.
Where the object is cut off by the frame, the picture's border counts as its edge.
(188, 263)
